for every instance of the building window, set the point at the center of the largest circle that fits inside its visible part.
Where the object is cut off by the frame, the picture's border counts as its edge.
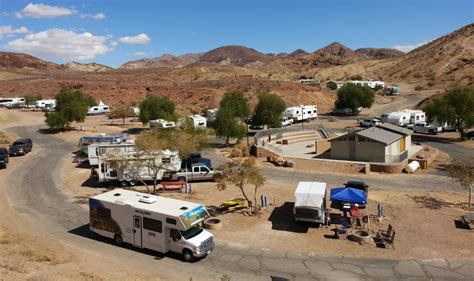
(151, 224)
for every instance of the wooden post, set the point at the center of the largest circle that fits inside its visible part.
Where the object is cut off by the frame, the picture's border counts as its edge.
(470, 196)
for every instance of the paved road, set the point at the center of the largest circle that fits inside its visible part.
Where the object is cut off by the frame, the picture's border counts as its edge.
(36, 192)
(453, 149)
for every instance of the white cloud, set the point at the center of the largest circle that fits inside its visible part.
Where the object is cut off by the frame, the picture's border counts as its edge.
(62, 44)
(6, 30)
(113, 43)
(407, 48)
(141, 38)
(44, 11)
(139, 54)
(98, 16)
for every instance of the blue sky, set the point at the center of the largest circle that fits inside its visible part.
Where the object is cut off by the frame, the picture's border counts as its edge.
(115, 31)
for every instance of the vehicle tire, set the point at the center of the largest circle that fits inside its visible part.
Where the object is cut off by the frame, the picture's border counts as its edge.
(431, 132)
(132, 183)
(123, 183)
(118, 239)
(188, 255)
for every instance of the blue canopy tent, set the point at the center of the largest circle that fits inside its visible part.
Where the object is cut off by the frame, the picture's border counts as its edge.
(349, 195)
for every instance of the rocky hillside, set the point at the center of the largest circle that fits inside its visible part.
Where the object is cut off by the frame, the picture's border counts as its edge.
(448, 58)
(335, 54)
(380, 53)
(165, 60)
(297, 53)
(25, 61)
(234, 55)
(88, 67)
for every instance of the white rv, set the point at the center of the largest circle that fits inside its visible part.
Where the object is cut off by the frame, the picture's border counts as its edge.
(301, 112)
(101, 108)
(211, 114)
(9, 102)
(127, 169)
(161, 124)
(371, 83)
(310, 202)
(197, 121)
(96, 150)
(151, 222)
(399, 118)
(136, 111)
(44, 104)
(416, 116)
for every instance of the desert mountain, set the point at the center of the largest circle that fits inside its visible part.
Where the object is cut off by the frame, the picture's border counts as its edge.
(89, 67)
(380, 53)
(297, 53)
(165, 60)
(234, 55)
(20, 60)
(448, 58)
(335, 54)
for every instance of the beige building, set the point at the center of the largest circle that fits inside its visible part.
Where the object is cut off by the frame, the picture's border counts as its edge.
(385, 143)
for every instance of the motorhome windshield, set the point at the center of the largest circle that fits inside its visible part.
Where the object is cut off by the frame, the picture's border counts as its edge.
(190, 233)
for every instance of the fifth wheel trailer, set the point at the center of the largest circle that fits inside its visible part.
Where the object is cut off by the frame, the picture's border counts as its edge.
(152, 222)
(301, 112)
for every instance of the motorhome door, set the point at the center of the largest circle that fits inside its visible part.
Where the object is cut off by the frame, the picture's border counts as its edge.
(137, 232)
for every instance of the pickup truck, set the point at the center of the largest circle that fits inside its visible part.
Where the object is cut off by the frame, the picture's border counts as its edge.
(197, 172)
(425, 128)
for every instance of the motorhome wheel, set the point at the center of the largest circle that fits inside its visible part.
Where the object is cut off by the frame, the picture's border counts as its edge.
(132, 183)
(123, 183)
(118, 239)
(188, 255)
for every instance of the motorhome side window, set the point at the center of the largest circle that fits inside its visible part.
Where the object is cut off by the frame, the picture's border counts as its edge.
(171, 221)
(151, 224)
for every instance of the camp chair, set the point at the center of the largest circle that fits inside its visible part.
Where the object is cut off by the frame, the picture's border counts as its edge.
(387, 233)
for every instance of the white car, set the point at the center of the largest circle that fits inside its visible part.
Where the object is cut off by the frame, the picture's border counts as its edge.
(425, 128)
(285, 121)
(370, 122)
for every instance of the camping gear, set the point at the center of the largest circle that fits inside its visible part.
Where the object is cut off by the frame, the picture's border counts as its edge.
(349, 195)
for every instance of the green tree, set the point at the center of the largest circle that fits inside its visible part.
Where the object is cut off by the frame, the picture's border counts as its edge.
(455, 108)
(331, 85)
(30, 100)
(71, 106)
(154, 107)
(354, 96)
(241, 172)
(236, 103)
(122, 112)
(228, 126)
(268, 110)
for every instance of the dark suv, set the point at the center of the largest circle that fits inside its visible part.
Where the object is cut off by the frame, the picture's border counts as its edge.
(21, 147)
(3, 158)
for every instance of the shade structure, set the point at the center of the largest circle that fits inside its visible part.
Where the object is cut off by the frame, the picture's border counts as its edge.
(349, 195)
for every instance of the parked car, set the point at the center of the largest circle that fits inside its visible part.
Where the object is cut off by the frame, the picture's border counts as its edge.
(425, 128)
(370, 122)
(3, 158)
(20, 147)
(470, 135)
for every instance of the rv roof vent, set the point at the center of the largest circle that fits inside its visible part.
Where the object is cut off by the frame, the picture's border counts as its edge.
(147, 199)
(183, 208)
(117, 194)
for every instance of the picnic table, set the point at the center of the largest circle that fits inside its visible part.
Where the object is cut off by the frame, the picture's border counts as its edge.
(468, 220)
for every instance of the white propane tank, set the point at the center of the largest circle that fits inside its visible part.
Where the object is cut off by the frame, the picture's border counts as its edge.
(413, 166)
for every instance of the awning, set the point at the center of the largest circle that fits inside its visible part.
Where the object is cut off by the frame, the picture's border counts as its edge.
(349, 195)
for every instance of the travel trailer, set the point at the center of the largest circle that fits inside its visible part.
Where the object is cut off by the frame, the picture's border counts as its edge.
(161, 124)
(101, 108)
(399, 118)
(128, 169)
(416, 116)
(301, 112)
(96, 150)
(151, 222)
(136, 111)
(9, 102)
(211, 114)
(310, 202)
(309, 81)
(103, 139)
(197, 121)
(43, 104)
(371, 83)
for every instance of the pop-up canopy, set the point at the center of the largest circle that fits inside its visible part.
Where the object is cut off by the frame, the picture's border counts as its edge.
(349, 195)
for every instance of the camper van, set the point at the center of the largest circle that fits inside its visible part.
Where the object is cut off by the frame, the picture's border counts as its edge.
(211, 114)
(310, 202)
(45, 104)
(161, 124)
(151, 222)
(132, 168)
(94, 151)
(101, 108)
(301, 112)
(11, 102)
(197, 121)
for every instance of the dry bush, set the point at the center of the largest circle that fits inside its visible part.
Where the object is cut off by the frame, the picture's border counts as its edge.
(235, 153)
(4, 138)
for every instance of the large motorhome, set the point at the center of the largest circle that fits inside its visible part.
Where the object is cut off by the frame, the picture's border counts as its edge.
(152, 222)
(301, 112)
(161, 124)
(8, 102)
(197, 121)
(310, 202)
(103, 139)
(99, 109)
(128, 169)
(96, 150)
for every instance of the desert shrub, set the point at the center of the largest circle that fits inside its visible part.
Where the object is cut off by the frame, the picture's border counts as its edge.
(235, 152)
(418, 88)
(356, 77)
(417, 75)
(4, 138)
(430, 84)
(331, 85)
